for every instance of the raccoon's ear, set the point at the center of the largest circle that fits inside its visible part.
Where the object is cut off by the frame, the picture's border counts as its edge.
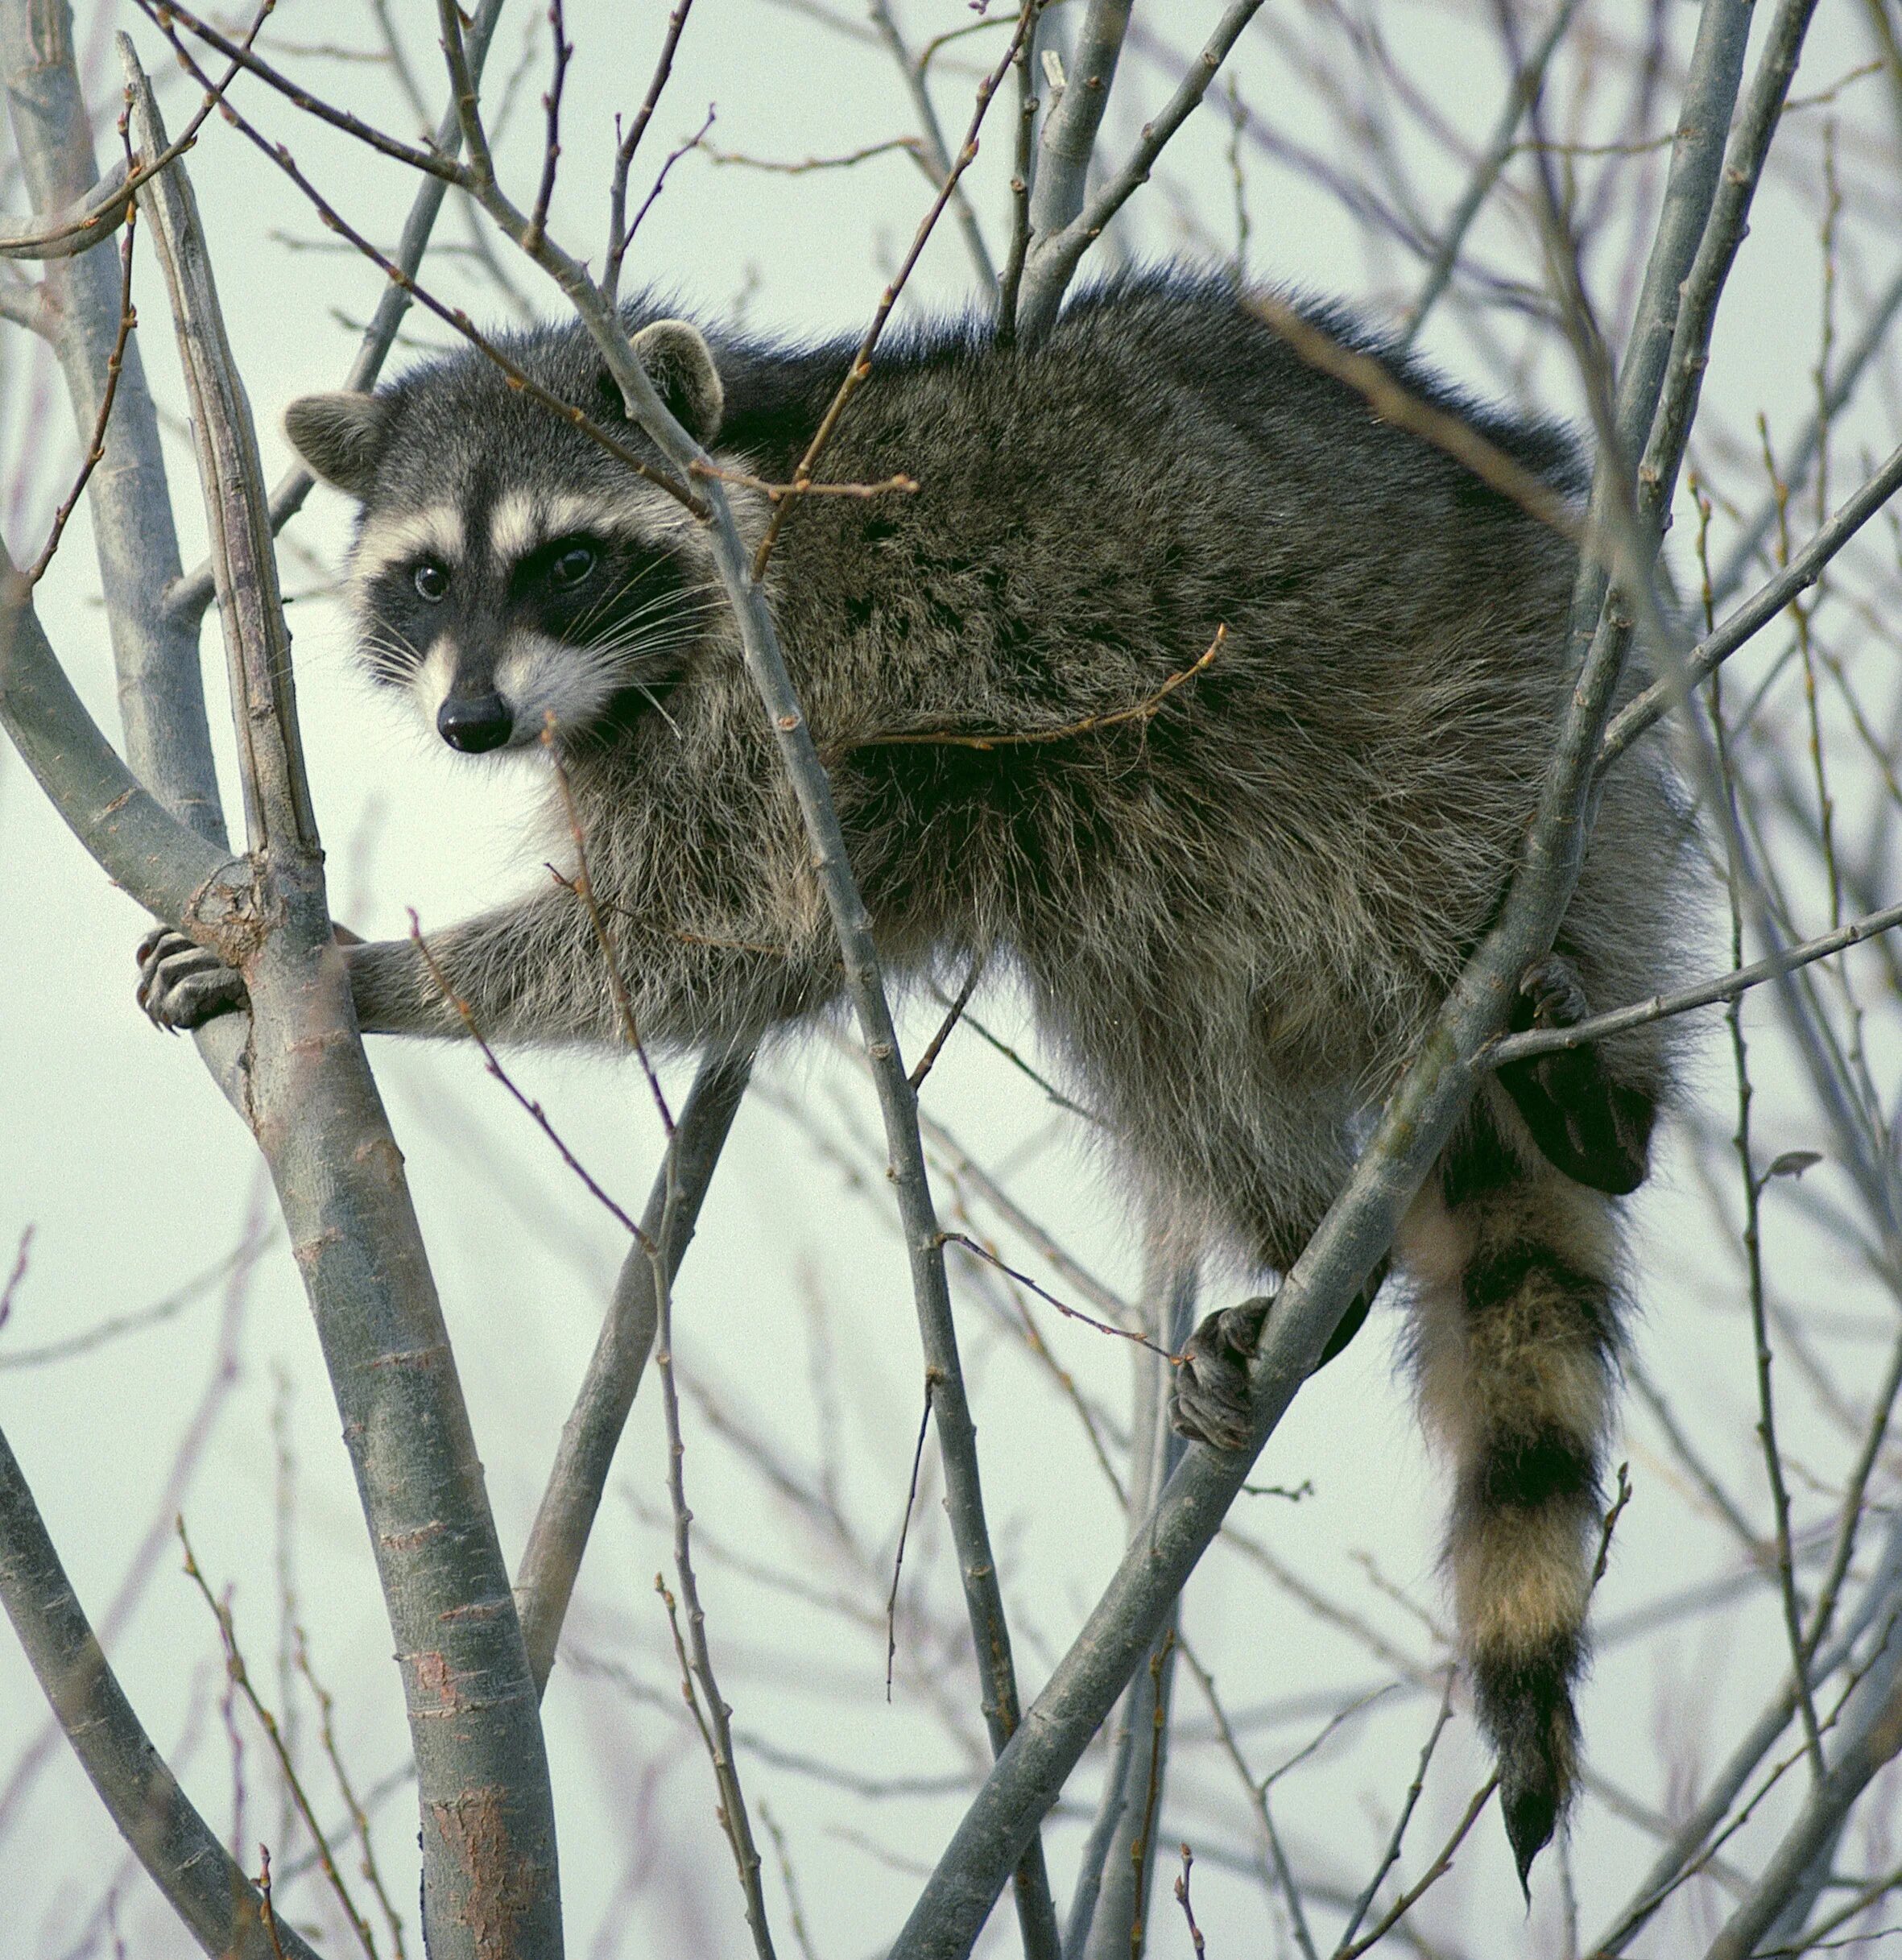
(681, 365)
(340, 437)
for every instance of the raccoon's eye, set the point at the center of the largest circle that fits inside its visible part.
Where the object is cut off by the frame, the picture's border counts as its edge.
(432, 580)
(573, 564)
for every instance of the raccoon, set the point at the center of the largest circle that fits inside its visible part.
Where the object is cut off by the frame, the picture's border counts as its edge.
(1235, 889)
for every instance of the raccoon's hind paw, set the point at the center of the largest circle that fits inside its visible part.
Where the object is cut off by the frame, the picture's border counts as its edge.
(1587, 1123)
(1551, 989)
(184, 985)
(1210, 1403)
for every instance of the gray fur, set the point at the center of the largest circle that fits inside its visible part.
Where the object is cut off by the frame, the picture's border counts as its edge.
(1235, 915)
(681, 365)
(340, 437)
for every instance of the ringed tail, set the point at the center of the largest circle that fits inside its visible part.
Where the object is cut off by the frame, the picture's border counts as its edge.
(1515, 1349)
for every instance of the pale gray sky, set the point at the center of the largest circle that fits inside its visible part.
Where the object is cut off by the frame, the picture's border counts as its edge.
(135, 1176)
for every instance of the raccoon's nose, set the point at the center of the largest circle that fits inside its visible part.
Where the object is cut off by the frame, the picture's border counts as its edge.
(473, 722)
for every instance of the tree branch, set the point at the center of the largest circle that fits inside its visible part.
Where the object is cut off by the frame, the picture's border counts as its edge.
(1706, 993)
(1526, 86)
(932, 134)
(1873, 1720)
(187, 597)
(1062, 229)
(1413, 1128)
(487, 1812)
(174, 872)
(735, 565)
(201, 1880)
(545, 1581)
(1751, 617)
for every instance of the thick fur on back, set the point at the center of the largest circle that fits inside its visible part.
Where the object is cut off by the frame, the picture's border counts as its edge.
(1235, 915)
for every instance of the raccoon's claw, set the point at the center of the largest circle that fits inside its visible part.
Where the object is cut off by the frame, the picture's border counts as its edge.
(1588, 1124)
(1552, 986)
(1210, 1402)
(184, 984)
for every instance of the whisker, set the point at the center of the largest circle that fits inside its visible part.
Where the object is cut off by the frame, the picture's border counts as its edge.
(653, 701)
(613, 598)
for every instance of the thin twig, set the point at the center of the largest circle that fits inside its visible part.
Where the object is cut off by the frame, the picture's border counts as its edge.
(551, 1559)
(203, 1884)
(359, 1817)
(1434, 1872)
(452, 317)
(953, 1014)
(240, 1678)
(1390, 1856)
(1752, 1186)
(716, 1727)
(1525, 85)
(1143, 710)
(904, 1529)
(1195, 1931)
(536, 1113)
(1755, 613)
(932, 153)
(1069, 1313)
(432, 162)
(115, 362)
(673, 156)
(618, 231)
(267, 1911)
(1704, 993)
(862, 361)
(564, 51)
(14, 1278)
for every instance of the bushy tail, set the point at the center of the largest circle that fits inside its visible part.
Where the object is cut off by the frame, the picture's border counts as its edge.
(1516, 1347)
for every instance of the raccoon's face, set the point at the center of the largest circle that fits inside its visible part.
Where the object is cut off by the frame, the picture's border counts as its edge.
(507, 572)
(509, 615)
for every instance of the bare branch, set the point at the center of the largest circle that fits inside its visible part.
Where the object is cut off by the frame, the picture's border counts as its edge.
(187, 596)
(936, 158)
(1070, 126)
(552, 1558)
(1706, 993)
(1062, 228)
(486, 1811)
(161, 698)
(199, 1880)
(1873, 1719)
(1751, 617)
(430, 162)
(238, 1676)
(620, 232)
(1397, 1838)
(109, 205)
(861, 363)
(1525, 85)
(173, 872)
(1434, 1872)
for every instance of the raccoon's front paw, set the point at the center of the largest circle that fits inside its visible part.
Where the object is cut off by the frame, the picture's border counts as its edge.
(1210, 1402)
(184, 985)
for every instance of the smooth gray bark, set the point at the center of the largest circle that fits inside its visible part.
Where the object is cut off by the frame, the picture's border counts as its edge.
(487, 1814)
